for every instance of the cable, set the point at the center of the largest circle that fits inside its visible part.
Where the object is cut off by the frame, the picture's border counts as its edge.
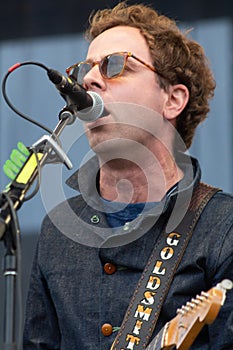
(16, 234)
(15, 229)
(22, 115)
(10, 70)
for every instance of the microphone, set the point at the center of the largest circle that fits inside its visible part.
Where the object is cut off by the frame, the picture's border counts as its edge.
(89, 104)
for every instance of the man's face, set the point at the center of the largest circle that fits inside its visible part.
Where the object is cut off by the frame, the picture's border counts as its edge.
(128, 97)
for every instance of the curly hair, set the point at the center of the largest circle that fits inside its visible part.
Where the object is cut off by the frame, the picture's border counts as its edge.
(176, 58)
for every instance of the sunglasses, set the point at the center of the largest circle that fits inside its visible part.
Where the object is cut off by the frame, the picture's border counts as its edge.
(111, 66)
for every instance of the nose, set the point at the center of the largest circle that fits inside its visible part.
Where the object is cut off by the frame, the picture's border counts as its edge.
(93, 80)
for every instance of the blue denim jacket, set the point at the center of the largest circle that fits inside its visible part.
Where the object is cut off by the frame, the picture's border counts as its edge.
(71, 296)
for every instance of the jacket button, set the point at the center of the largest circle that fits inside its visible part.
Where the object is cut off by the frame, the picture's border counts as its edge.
(109, 268)
(106, 329)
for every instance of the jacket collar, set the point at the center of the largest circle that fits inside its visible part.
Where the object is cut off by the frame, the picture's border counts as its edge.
(170, 210)
(85, 180)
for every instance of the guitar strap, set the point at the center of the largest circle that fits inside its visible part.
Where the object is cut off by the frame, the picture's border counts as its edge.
(144, 308)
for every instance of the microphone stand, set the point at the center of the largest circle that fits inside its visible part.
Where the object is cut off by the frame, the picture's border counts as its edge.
(10, 274)
(10, 201)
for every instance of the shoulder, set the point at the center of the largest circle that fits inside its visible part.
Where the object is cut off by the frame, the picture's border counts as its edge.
(217, 217)
(213, 235)
(66, 211)
(221, 205)
(217, 204)
(76, 203)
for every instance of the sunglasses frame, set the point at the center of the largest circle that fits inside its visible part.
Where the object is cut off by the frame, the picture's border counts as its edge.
(126, 55)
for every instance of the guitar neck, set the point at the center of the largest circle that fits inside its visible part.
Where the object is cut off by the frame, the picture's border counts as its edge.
(182, 330)
(158, 343)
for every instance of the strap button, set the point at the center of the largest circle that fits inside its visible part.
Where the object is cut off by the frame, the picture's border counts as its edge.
(109, 268)
(106, 329)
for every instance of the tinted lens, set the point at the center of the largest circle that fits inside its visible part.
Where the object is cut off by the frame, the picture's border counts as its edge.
(112, 65)
(80, 71)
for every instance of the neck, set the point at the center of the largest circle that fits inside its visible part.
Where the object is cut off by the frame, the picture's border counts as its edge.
(145, 181)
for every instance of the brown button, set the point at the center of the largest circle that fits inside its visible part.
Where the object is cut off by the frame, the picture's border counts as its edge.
(109, 268)
(106, 329)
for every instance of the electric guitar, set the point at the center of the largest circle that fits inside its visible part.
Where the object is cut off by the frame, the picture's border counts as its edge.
(182, 330)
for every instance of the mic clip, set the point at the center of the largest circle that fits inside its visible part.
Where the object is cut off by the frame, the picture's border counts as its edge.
(59, 156)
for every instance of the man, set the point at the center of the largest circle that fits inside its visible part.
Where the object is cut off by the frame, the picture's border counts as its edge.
(155, 84)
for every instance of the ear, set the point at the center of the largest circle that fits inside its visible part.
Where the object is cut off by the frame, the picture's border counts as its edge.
(177, 99)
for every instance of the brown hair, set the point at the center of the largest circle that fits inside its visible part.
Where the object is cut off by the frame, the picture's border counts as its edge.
(176, 58)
